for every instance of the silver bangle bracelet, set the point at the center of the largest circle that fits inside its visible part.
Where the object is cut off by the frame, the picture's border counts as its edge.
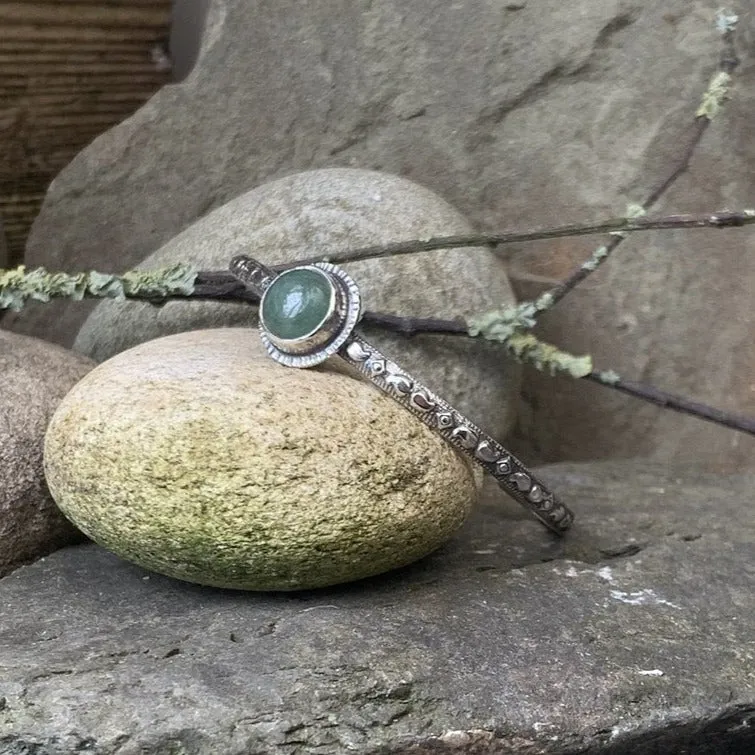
(308, 314)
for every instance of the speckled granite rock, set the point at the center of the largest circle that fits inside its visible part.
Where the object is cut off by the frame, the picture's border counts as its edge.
(520, 114)
(34, 377)
(632, 636)
(198, 456)
(323, 211)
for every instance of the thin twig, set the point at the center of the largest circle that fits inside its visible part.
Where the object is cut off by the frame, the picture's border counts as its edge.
(214, 286)
(723, 219)
(739, 422)
(711, 103)
(411, 326)
(223, 286)
(548, 299)
(18, 285)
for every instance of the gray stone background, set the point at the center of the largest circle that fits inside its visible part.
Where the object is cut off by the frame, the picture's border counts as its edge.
(520, 114)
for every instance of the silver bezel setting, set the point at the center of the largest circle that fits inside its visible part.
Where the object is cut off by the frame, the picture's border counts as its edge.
(326, 340)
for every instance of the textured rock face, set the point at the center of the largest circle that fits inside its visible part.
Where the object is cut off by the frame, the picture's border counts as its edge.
(3, 247)
(632, 636)
(555, 111)
(34, 377)
(320, 211)
(199, 457)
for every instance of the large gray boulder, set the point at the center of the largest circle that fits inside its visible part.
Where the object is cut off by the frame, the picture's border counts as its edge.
(520, 114)
(631, 635)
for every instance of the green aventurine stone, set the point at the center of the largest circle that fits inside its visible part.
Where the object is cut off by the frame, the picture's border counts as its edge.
(296, 304)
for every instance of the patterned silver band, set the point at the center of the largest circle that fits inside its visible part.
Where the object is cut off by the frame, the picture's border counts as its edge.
(339, 339)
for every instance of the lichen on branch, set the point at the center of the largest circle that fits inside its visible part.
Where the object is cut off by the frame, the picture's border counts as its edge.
(507, 326)
(714, 96)
(17, 286)
(526, 347)
(500, 324)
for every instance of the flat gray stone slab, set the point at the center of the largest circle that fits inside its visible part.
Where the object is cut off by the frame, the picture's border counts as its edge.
(635, 634)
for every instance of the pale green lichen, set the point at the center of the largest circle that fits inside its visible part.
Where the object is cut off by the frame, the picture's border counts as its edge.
(545, 357)
(544, 301)
(17, 286)
(500, 324)
(726, 20)
(592, 264)
(714, 96)
(166, 281)
(718, 89)
(505, 326)
(609, 377)
(634, 210)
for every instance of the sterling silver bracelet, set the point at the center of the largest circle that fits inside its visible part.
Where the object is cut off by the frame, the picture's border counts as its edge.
(308, 314)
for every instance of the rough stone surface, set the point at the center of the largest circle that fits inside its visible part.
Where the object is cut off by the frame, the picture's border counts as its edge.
(320, 211)
(632, 636)
(551, 112)
(34, 377)
(198, 456)
(3, 246)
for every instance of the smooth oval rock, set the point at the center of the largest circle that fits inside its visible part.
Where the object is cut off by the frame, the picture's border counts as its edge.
(320, 212)
(197, 456)
(34, 377)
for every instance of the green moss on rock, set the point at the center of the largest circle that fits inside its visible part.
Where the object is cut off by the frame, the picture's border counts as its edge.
(198, 457)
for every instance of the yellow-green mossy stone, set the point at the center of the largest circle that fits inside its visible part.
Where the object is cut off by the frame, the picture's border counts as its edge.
(197, 456)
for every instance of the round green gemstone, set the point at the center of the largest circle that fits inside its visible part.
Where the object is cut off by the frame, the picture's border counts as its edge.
(296, 304)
